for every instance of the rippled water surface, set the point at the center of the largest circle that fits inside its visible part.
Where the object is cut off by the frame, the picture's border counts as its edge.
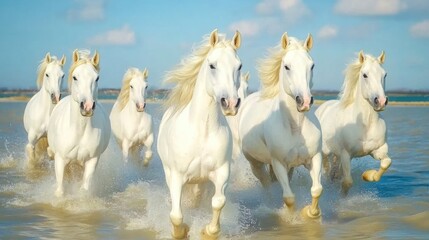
(128, 201)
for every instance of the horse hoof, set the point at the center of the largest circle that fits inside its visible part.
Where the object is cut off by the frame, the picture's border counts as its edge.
(59, 193)
(146, 162)
(370, 176)
(308, 214)
(206, 235)
(180, 232)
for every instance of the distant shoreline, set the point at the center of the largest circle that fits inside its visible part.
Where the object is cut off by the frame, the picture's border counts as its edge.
(316, 102)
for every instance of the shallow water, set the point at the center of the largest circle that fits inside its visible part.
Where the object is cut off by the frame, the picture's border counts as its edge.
(128, 201)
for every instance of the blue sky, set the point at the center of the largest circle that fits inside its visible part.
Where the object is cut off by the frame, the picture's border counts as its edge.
(158, 34)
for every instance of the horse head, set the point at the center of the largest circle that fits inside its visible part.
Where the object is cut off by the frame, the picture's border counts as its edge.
(53, 76)
(138, 86)
(244, 85)
(296, 71)
(83, 79)
(222, 69)
(372, 78)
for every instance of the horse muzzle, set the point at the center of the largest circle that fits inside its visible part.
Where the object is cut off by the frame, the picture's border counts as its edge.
(87, 108)
(230, 106)
(380, 103)
(304, 104)
(140, 107)
(55, 98)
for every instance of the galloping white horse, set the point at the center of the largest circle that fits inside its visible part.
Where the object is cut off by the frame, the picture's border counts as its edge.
(351, 126)
(273, 127)
(194, 141)
(39, 108)
(79, 129)
(131, 125)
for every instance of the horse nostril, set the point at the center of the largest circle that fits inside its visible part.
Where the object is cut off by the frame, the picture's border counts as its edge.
(298, 100)
(144, 105)
(81, 105)
(311, 101)
(223, 102)
(59, 97)
(93, 105)
(376, 101)
(387, 100)
(238, 103)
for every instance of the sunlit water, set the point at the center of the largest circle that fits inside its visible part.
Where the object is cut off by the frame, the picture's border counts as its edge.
(128, 201)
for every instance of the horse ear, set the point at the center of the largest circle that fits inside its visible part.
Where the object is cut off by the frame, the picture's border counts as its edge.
(236, 40)
(75, 56)
(308, 42)
(361, 57)
(48, 57)
(381, 57)
(246, 76)
(214, 38)
(63, 60)
(145, 73)
(284, 41)
(96, 59)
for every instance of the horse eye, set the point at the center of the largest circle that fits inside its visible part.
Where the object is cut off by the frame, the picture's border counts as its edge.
(62, 77)
(74, 78)
(312, 67)
(47, 75)
(239, 68)
(212, 66)
(287, 67)
(131, 87)
(385, 75)
(145, 87)
(97, 79)
(365, 76)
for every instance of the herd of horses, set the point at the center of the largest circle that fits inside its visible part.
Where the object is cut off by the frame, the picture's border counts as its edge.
(209, 121)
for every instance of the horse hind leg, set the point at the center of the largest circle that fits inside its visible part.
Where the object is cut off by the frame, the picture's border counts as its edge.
(379, 154)
(259, 170)
(219, 179)
(41, 149)
(30, 149)
(347, 181)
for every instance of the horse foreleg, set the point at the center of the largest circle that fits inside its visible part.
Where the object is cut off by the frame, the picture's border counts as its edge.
(347, 177)
(175, 184)
(29, 149)
(219, 179)
(88, 172)
(125, 149)
(313, 211)
(148, 153)
(379, 154)
(60, 164)
(282, 175)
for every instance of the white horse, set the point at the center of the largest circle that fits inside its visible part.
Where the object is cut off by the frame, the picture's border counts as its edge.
(131, 125)
(79, 129)
(244, 85)
(351, 126)
(273, 127)
(194, 141)
(39, 108)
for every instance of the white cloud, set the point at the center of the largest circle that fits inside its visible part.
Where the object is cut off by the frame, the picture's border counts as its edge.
(87, 10)
(292, 10)
(420, 29)
(370, 7)
(327, 32)
(246, 27)
(122, 36)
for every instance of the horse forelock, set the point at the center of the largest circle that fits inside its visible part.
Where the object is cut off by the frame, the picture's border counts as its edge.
(269, 67)
(186, 73)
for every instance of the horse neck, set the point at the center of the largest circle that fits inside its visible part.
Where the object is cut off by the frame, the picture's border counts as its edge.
(203, 109)
(289, 110)
(45, 97)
